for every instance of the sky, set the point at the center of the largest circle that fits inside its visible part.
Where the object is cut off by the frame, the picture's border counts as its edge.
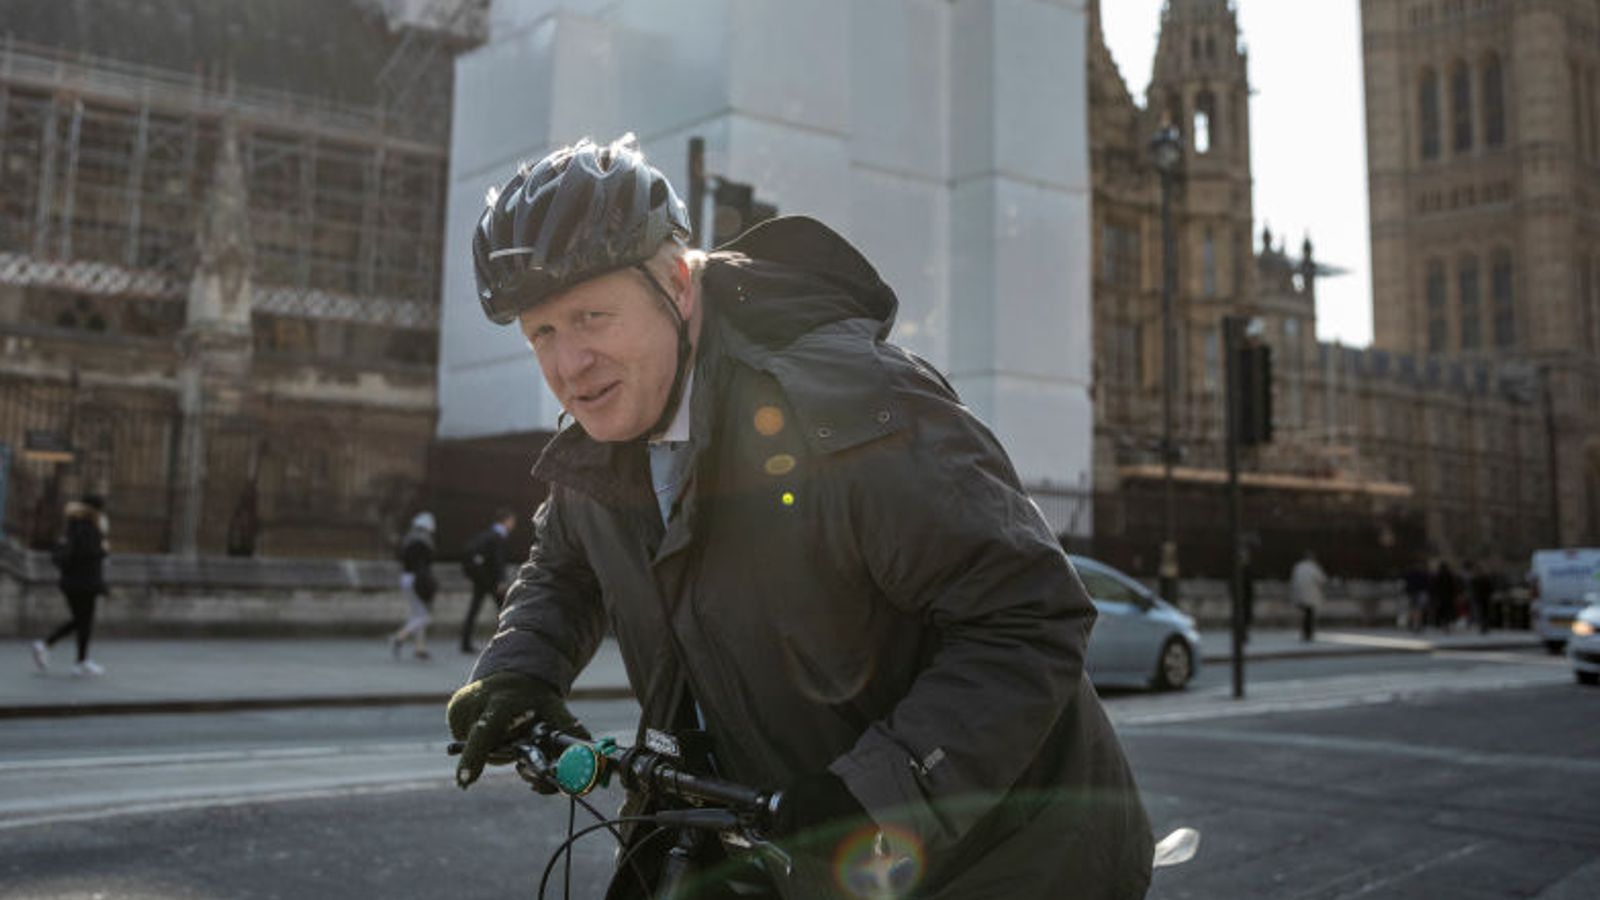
(1308, 152)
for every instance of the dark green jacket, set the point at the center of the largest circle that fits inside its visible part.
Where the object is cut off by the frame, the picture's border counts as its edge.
(854, 579)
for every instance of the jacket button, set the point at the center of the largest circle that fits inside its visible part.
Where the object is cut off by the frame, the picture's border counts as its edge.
(883, 417)
(824, 433)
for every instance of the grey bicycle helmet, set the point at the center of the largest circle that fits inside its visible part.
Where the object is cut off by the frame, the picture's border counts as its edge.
(582, 211)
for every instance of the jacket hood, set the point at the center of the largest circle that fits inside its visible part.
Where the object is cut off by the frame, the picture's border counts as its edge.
(79, 510)
(788, 276)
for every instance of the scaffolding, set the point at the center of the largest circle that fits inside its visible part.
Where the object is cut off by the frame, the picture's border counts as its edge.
(105, 168)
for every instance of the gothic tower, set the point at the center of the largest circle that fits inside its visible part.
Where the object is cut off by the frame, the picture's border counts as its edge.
(1200, 85)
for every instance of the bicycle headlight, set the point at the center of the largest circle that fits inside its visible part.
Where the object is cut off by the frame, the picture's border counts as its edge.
(582, 767)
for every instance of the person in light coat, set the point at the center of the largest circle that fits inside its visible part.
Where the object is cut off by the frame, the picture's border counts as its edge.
(1305, 592)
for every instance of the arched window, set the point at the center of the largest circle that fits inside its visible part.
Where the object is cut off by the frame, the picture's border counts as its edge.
(1471, 309)
(1434, 290)
(1428, 113)
(1500, 290)
(1494, 102)
(1576, 91)
(1461, 107)
(1208, 265)
(1587, 301)
(1594, 116)
(1205, 114)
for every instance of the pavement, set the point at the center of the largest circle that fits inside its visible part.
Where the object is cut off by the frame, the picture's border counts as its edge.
(214, 675)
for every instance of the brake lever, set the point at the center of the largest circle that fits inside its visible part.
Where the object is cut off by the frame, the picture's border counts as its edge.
(535, 768)
(499, 756)
(772, 852)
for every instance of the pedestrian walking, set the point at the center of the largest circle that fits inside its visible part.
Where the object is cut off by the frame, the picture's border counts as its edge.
(80, 556)
(1306, 580)
(1442, 592)
(484, 563)
(1480, 588)
(1416, 588)
(419, 586)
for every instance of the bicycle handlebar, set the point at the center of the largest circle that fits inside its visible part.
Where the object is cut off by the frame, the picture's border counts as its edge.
(581, 765)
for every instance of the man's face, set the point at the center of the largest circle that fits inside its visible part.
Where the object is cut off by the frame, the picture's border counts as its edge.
(608, 351)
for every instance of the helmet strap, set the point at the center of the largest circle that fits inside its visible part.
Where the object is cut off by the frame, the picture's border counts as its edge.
(674, 396)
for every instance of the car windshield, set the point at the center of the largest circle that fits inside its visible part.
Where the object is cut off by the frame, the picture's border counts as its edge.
(1107, 587)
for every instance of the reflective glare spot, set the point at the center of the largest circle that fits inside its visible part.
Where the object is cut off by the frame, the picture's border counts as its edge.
(788, 498)
(879, 863)
(781, 464)
(769, 421)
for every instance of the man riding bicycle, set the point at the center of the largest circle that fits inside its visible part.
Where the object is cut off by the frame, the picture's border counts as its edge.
(807, 548)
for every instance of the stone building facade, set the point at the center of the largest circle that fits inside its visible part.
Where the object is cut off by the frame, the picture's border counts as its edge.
(220, 239)
(1483, 134)
(1378, 456)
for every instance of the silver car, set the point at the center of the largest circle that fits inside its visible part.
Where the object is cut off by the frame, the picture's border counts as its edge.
(1139, 638)
(1583, 648)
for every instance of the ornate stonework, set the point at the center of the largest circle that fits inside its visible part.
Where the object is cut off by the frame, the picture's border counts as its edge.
(1483, 134)
(1449, 441)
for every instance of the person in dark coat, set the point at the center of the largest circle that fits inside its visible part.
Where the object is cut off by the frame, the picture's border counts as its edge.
(80, 556)
(1416, 582)
(1442, 591)
(419, 586)
(1480, 589)
(804, 544)
(484, 564)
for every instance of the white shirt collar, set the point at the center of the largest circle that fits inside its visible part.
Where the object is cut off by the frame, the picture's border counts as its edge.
(678, 431)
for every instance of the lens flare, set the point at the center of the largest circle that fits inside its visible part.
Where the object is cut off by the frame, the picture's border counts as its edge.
(879, 863)
(768, 421)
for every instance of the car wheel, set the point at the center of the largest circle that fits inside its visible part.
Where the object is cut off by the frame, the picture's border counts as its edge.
(1555, 646)
(1587, 677)
(1175, 666)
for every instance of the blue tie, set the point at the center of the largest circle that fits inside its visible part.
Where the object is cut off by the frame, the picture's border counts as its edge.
(669, 469)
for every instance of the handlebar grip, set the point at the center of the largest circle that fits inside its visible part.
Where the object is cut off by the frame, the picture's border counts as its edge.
(713, 818)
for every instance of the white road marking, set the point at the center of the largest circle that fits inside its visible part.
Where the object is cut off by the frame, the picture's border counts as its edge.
(1332, 891)
(89, 788)
(192, 757)
(1456, 756)
(1319, 694)
(214, 802)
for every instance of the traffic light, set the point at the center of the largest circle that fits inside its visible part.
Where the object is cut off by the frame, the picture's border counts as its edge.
(737, 210)
(1255, 394)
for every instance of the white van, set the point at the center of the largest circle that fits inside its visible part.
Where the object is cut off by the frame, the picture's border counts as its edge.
(1563, 582)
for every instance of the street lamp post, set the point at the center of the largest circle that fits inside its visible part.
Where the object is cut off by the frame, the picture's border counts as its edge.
(1550, 450)
(1166, 148)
